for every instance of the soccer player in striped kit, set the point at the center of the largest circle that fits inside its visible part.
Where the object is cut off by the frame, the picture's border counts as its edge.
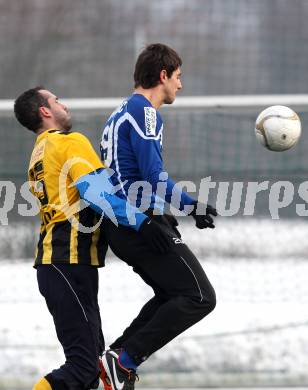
(131, 145)
(64, 170)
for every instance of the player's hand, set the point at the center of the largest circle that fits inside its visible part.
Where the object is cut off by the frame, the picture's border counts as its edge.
(203, 215)
(154, 236)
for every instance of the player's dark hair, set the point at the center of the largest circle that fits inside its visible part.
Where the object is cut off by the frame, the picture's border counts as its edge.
(26, 108)
(151, 61)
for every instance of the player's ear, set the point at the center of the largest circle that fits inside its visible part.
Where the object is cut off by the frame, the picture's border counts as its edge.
(45, 112)
(163, 76)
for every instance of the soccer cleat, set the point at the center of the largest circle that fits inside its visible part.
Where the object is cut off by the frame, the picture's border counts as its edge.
(121, 378)
(104, 377)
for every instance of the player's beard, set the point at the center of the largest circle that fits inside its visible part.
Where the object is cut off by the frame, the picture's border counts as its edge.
(65, 122)
(68, 124)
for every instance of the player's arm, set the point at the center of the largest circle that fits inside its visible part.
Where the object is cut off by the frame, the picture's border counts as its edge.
(94, 186)
(97, 189)
(147, 152)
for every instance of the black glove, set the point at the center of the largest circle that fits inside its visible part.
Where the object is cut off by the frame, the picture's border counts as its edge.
(154, 236)
(202, 215)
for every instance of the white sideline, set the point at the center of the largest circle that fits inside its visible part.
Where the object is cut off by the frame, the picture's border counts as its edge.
(227, 101)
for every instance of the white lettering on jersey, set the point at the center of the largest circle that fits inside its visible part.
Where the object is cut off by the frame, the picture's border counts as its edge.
(150, 120)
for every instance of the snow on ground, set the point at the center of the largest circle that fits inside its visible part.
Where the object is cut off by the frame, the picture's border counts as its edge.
(232, 238)
(257, 335)
(239, 336)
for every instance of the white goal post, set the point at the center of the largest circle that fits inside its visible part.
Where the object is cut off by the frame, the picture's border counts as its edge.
(216, 102)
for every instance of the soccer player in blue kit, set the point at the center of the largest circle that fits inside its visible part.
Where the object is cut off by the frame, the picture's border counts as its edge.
(131, 147)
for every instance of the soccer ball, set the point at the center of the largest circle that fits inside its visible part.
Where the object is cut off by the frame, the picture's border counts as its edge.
(278, 128)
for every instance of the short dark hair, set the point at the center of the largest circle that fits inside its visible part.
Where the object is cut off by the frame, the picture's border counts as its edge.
(151, 61)
(26, 108)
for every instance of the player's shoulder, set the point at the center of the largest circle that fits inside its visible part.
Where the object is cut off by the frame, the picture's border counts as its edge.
(144, 115)
(71, 142)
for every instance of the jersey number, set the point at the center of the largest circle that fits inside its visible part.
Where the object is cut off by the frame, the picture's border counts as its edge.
(106, 144)
(39, 189)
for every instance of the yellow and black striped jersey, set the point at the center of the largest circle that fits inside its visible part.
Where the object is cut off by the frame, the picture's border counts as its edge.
(67, 235)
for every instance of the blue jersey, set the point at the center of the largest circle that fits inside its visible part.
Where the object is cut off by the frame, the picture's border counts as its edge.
(131, 146)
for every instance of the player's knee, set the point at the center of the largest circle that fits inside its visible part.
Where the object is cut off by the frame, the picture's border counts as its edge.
(212, 300)
(208, 301)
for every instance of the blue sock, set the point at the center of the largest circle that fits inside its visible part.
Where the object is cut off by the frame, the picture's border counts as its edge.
(127, 361)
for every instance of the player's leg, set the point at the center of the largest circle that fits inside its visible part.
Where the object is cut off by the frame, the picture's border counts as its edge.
(183, 293)
(106, 384)
(189, 298)
(71, 296)
(147, 312)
